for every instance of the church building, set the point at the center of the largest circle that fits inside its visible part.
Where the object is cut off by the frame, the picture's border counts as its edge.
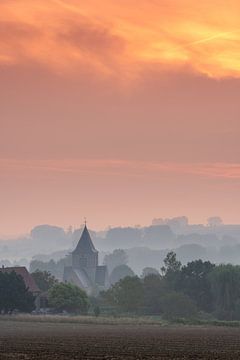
(85, 271)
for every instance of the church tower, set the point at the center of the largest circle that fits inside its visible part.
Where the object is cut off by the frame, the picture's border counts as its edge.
(85, 256)
(84, 270)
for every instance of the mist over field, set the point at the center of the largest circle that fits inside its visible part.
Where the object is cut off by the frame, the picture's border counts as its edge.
(145, 246)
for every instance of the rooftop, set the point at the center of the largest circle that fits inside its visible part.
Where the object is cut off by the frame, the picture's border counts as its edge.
(23, 272)
(85, 244)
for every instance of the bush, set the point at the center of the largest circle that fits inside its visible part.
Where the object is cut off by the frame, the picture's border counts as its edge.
(96, 311)
(154, 288)
(127, 294)
(68, 297)
(176, 305)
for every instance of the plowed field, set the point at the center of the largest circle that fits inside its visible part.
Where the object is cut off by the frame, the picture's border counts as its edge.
(32, 341)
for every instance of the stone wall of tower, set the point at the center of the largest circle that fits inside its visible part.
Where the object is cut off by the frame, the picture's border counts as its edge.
(87, 262)
(75, 261)
(92, 260)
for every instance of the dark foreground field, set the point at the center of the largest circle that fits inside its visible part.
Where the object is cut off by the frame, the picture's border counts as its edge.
(33, 340)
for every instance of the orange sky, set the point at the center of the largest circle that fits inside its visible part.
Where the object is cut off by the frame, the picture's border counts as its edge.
(120, 111)
(126, 35)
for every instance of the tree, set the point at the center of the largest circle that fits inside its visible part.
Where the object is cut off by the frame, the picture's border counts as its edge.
(14, 294)
(176, 305)
(56, 268)
(117, 258)
(68, 297)
(225, 286)
(127, 294)
(154, 287)
(171, 263)
(171, 269)
(38, 265)
(44, 280)
(194, 282)
(214, 221)
(120, 272)
(191, 252)
(149, 271)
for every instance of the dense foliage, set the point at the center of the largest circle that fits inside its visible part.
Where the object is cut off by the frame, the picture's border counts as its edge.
(44, 280)
(149, 271)
(180, 291)
(56, 268)
(14, 295)
(127, 294)
(120, 272)
(195, 282)
(198, 288)
(68, 297)
(225, 288)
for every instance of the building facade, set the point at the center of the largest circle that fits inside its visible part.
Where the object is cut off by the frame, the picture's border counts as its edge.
(84, 270)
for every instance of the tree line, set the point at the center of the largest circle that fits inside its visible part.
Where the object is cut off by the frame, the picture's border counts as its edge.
(199, 289)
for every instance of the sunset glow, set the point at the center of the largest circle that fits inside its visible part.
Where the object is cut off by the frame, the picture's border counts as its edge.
(121, 111)
(122, 36)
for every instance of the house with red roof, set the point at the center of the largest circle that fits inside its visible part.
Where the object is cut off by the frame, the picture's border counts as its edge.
(28, 280)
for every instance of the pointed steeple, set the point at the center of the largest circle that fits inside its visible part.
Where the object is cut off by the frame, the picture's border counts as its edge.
(85, 244)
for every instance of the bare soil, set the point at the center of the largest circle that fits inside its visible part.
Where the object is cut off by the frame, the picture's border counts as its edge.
(36, 340)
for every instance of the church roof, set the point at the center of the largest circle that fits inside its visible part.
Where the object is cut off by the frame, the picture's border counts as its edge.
(85, 244)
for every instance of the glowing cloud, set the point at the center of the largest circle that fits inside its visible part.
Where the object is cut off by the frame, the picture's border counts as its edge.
(122, 37)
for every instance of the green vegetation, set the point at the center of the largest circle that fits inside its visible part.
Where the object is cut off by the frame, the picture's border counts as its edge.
(196, 291)
(14, 294)
(177, 306)
(149, 271)
(116, 320)
(86, 319)
(68, 297)
(56, 268)
(44, 280)
(225, 287)
(194, 281)
(127, 294)
(120, 272)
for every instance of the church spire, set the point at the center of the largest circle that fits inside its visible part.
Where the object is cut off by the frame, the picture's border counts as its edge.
(85, 244)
